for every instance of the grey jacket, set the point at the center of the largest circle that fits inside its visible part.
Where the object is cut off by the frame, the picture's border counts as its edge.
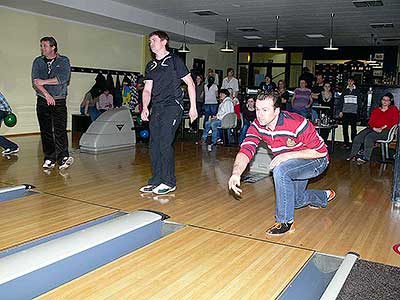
(60, 68)
(350, 101)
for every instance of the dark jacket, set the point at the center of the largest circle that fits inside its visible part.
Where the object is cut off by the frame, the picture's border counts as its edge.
(350, 101)
(60, 68)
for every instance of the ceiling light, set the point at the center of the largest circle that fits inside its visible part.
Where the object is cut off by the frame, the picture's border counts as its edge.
(276, 48)
(315, 36)
(247, 29)
(252, 37)
(331, 48)
(184, 48)
(227, 48)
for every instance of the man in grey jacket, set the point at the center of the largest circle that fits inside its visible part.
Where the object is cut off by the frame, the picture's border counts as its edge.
(348, 108)
(51, 73)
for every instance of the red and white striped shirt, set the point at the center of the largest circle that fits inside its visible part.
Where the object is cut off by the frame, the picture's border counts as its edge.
(292, 133)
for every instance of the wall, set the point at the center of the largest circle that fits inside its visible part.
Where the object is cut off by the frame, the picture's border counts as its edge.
(211, 54)
(85, 45)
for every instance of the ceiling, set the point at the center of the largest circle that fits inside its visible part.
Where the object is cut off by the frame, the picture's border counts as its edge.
(297, 18)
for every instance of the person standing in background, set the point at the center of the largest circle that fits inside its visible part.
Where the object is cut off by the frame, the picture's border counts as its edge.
(348, 108)
(51, 74)
(231, 83)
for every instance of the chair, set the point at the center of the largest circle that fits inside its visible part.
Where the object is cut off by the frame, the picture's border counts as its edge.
(229, 121)
(385, 143)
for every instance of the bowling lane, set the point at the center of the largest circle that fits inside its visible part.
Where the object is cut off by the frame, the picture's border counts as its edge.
(26, 219)
(192, 264)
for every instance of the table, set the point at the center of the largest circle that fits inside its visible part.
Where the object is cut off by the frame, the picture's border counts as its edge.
(332, 127)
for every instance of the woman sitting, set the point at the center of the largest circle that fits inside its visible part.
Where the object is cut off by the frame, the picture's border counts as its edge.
(249, 114)
(382, 119)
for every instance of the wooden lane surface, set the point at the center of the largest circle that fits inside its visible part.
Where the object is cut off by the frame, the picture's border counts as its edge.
(360, 219)
(191, 264)
(35, 216)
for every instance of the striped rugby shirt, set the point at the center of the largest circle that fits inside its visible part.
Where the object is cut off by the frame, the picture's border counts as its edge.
(292, 133)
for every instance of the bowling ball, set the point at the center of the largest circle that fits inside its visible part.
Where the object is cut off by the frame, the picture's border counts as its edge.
(10, 120)
(144, 134)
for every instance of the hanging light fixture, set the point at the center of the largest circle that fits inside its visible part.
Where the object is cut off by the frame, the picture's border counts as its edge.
(331, 48)
(276, 48)
(184, 48)
(227, 48)
(371, 59)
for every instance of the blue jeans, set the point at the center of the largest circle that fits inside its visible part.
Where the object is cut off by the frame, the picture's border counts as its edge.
(209, 110)
(243, 131)
(290, 179)
(213, 125)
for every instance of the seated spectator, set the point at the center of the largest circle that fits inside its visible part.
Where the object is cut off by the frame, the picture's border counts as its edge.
(249, 114)
(89, 105)
(382, 119)
(302, 101)
(267, 84)
(284, 95)
(225, 107)
(105, 102)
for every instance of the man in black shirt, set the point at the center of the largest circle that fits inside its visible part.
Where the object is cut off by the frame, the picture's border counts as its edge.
(162, 85)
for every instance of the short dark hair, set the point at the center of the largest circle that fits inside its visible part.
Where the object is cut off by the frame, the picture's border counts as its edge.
(52, 42)
(269, 94)
(229, 70)
(162, 35)
(225, 91)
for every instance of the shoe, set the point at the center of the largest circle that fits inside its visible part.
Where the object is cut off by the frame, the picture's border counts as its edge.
(281, 228)
(66, 163)
(347, 147)
(48, 164)
(8, 151)
(210, 147)
(361, 161)
(220, 142)
(163, 189)
(147, 188)
(331, 196)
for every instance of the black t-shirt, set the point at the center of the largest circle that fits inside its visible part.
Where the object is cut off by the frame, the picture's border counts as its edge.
(249, 115)
(166, 75)
(317, 89)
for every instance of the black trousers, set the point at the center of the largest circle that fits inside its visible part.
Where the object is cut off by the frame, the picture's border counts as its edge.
(53, 129)
(164, 122)
(349, 119)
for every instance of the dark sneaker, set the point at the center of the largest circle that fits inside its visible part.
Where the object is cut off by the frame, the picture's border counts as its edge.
(147, 188)
(163, 189)
(281, 228)
(66, 163)
(48, 164)
(220, 142)
(9, 151)
(331, 196)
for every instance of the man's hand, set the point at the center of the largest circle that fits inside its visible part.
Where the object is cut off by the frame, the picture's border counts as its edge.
(145, 114)
(376, 129)
(234, 183)
(192, 114)
(340, 115)
(50, 100)
(277, 160)
(38, 81)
